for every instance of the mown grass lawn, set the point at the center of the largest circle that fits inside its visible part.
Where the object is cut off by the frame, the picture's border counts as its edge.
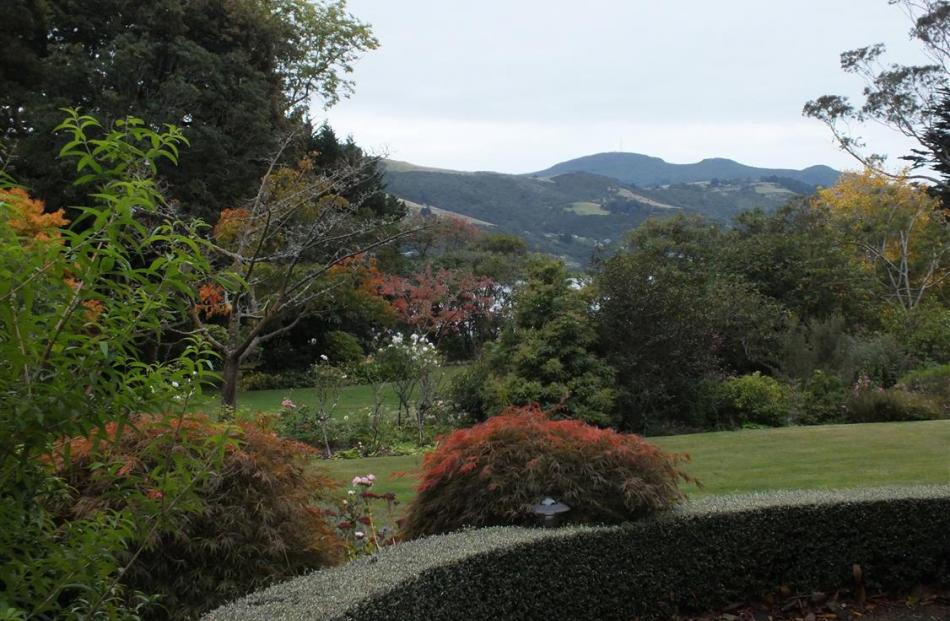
(353, 399)
(826, 457)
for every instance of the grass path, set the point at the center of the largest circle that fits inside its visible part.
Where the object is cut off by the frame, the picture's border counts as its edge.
(826, 457)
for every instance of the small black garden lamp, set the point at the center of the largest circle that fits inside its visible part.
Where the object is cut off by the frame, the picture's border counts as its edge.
(548, 512)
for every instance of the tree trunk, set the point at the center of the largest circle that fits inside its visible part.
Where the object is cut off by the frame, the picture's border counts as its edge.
(230, 375)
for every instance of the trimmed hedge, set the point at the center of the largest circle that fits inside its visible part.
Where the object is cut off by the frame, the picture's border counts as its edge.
(698, 557)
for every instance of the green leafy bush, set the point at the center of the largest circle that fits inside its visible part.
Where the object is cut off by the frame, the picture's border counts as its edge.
(253, 521)
(747, 400)
(79, 302)
(891, 405)
(925, 330)
(261, 380)
(466, 390)
(882, 358)
(702, 555)
(343, 349)
(547, 354)
(934, 381)
(821, 400)
(492, 473)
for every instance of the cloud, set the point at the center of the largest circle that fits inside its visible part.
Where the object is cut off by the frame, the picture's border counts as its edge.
(518, 86)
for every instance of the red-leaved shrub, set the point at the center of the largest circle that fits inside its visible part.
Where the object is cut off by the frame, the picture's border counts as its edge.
(251, 520)
(492, 473)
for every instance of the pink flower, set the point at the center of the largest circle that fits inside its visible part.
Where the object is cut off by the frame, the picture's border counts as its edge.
(287, 404)
(366, 481)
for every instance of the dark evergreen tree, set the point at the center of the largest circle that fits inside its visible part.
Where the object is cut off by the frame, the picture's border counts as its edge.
(937, 152)
(235, 76)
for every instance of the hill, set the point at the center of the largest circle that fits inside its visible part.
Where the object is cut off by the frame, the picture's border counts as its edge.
(572, 213)
(644, 170)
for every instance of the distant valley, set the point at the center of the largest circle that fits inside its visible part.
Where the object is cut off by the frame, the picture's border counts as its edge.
(575, 206)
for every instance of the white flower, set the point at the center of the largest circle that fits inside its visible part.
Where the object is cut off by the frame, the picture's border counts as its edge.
(313, 341)
(359, 534)
(323, 357)
(174, 384)
(351, 493)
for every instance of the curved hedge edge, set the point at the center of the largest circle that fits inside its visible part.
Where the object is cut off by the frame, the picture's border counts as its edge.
(331, 592)
(387, 584)
(798, 498)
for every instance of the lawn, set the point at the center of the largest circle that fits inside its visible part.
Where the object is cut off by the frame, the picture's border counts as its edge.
(352, 398)
(827, 457)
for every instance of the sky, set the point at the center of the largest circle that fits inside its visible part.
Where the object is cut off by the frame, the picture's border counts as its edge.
(516, 86)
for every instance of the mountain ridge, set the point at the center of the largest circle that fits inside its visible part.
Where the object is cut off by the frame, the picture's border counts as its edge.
(573, 213)
(647, 170)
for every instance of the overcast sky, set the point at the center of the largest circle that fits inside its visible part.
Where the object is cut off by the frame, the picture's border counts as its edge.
(518, 85)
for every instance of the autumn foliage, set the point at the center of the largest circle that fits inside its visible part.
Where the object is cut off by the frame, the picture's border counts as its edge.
(257, 523)
(491, 474)
(440, 302)
(28, 217)
(230, 223)
(212, 301)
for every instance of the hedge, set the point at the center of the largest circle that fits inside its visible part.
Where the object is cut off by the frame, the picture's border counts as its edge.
(701, 556)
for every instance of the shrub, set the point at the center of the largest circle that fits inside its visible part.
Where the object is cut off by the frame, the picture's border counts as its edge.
(818, 344)
(466, 390)
(81, 305)
(343, 349)
(703, 555)
(491, 474)
(255, 523)
(303, 424)
(925, 330)
(261, 380)
(934, 381)
(746, 400)
(821, 400)
(892, 405)
(882, 358)
(547, 354)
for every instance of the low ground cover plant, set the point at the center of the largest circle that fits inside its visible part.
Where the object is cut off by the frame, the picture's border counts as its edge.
(491, 474)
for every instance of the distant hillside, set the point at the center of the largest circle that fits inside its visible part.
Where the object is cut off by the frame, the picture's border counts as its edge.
(572, 213)
(643, 170)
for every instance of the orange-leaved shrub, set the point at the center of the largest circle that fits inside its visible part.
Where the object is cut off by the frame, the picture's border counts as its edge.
(255, 520)
(492, 473)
